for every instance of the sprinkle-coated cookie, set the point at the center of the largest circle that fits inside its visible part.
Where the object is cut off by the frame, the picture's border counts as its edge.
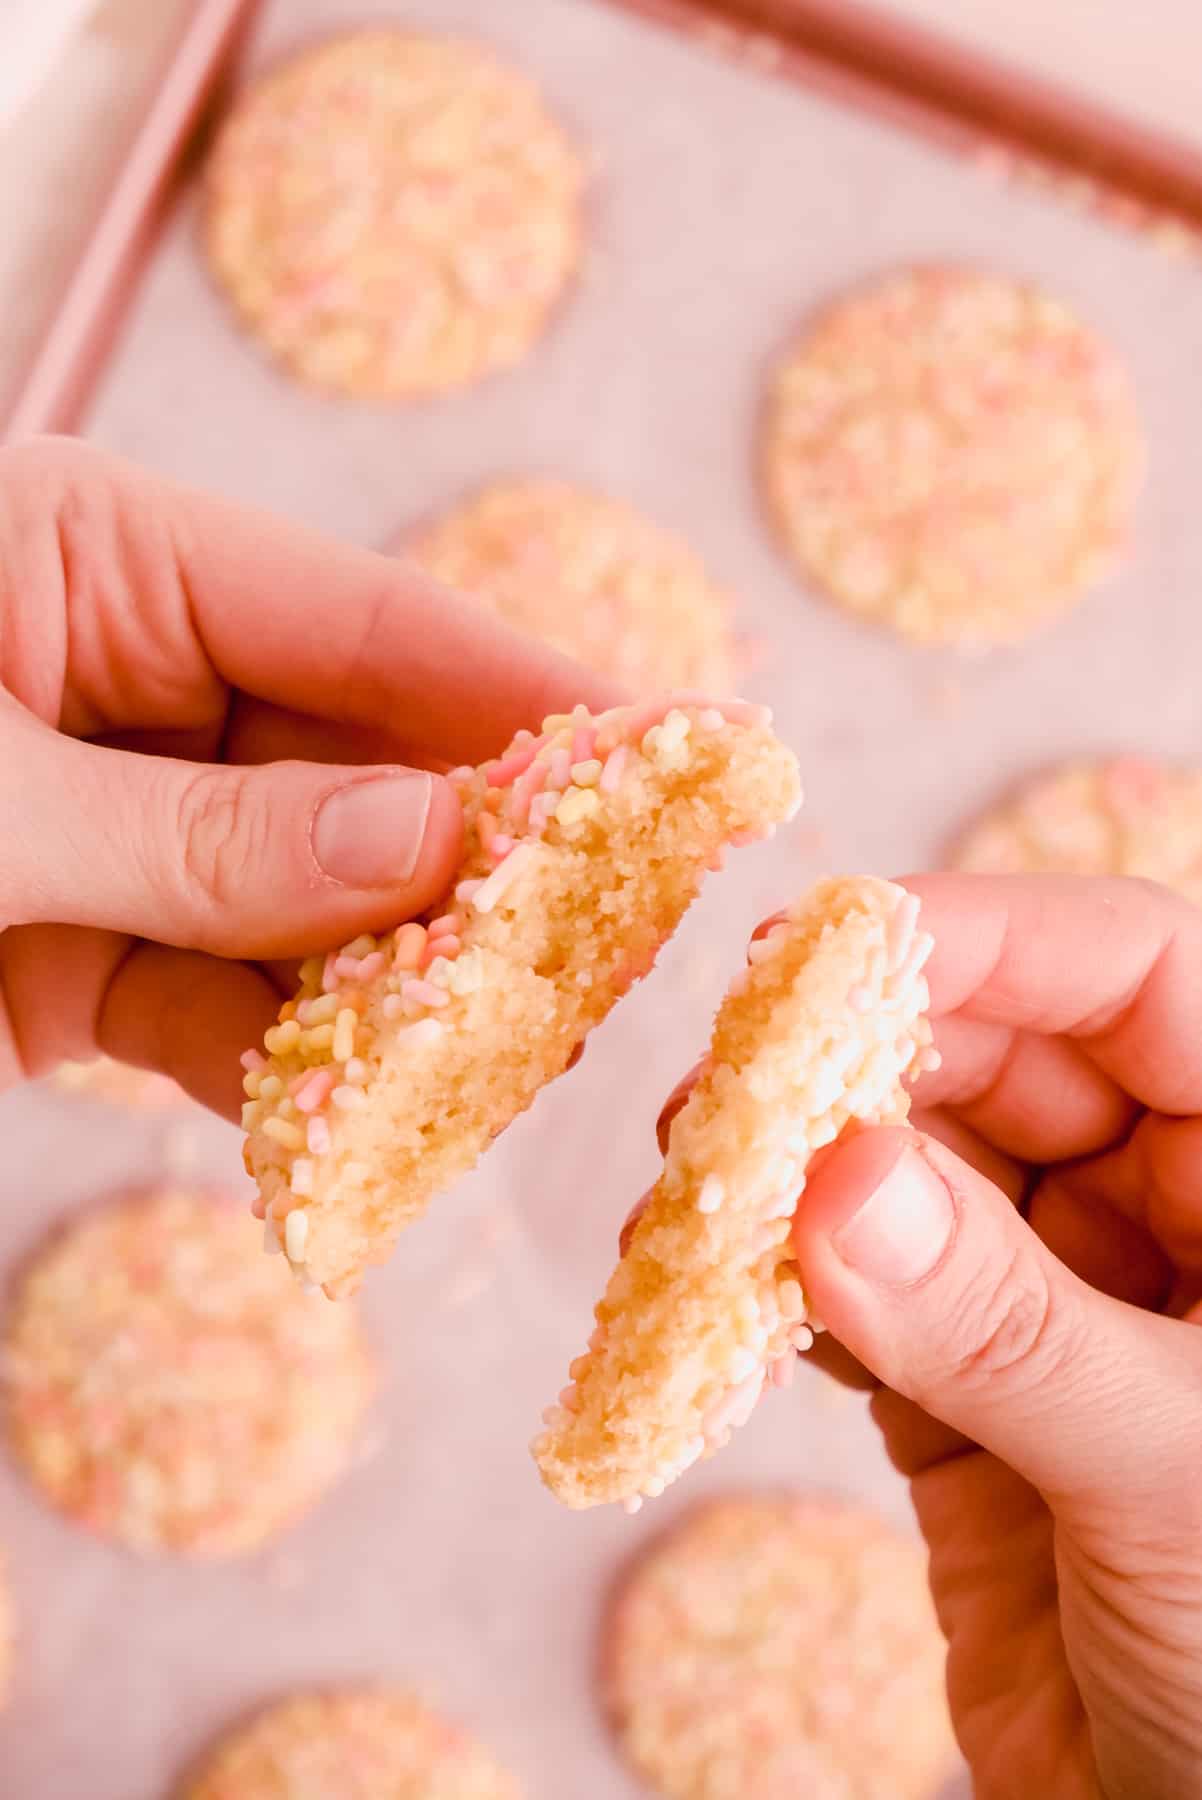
(168, 1385)
(953, 454)
(404, 1055)
(373, 1744)
(780, 1647)
(119, 1084)
(591, 576)
(393, 214)
(1124, 815)
(705, 1310)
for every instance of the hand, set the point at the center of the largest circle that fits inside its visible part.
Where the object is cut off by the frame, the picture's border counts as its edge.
(156, 645)
(1028, 1300)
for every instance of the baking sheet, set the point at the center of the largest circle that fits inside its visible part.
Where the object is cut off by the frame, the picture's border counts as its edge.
(725, 205)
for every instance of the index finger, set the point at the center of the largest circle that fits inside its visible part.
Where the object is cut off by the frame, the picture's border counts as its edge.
(301, 620)
(1114, 964)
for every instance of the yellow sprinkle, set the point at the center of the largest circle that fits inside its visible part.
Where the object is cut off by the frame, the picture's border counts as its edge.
(587, 774)
(323, 1010)
(576, 805)
(318, 1037)
(291, 1136)
(281, 1038)
(344, 1034)
(361, 946)
(250, 1115)
(270, 1087)
(251, 1082)
(310, 970)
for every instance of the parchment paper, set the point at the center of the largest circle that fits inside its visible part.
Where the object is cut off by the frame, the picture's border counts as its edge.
(725, 205)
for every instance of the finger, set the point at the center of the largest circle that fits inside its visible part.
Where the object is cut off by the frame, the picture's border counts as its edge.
(259, 733)
(1040, 1099)
(673, 1104)
(188, 1015)
(1154, 1181)
(1005, 1172)
(927, 1273)
(269, 861)
(1116, 965)
(195, 593)
(1099, 1244)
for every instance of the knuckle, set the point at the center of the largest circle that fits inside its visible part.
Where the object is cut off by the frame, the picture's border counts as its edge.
(1010, 1326)
(221, 834)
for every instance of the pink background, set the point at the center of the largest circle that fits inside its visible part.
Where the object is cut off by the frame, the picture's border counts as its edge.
(725, 205)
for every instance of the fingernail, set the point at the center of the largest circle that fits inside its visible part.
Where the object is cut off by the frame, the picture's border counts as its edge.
(370, 834)
(899, 1233)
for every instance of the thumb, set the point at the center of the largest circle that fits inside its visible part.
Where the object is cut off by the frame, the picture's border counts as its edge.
(262, 861)
(928, 1274)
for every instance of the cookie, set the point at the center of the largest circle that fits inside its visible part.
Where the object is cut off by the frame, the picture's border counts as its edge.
(371, 1744)
(118, 1084)
(591, 576)
(169, 1387)
(1122, 815)
(705, 1309)
(780, 1646)
(404, 1055)
(952, 454)
(393, 214)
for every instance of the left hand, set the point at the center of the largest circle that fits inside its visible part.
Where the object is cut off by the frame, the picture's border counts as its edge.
(157, 648)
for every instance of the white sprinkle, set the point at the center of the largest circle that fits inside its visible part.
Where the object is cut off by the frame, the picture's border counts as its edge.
(301, 1181)
(423, 1033)
(711, 719)
(296, 1235)
(823, 1089)
(929, 1060)
(439, 970)
(467, 973)
(654, 1486)
(760, 949)
(713, 1193)
(802, 1337)
(821, 1132)
(791, 1301)
(467, 890)
(349, 1099)
(392, 1006)
(486, 895)
(742, 1364)
(632, 1504)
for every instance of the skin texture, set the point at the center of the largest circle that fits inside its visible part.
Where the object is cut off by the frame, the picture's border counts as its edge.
(157, 648)
(1018, 1282)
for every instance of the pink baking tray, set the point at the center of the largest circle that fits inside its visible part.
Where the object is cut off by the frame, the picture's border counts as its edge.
(728, 199)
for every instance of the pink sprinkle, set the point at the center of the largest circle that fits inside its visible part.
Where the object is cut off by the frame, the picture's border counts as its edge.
(346, 968)
(410, 946)
(252, 1059)
(467, 890)
(541, 808)
(611, 774)
(446, 925)
(718, 860)
(741, 839)
(448, 945)
(500, 847)
(560, 768)
(317, 1135)
(734, 1408)
(329, 980)
(490, 891)
(502, 773)
(524, 790)
(584, 742)
(487, 827)
(372, 965)
(424, 993)
(783, 1369)
(258, 1207)
(313, 1089)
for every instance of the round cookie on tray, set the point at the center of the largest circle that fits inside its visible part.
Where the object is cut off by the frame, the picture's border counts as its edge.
(1119, 815)
(404, 1055)
(953, 454)
(393, 214)
(169, 1387)
(119, 1084)
(589, 574)
(779, 1646)
(705, 1309)
(367, 1744)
